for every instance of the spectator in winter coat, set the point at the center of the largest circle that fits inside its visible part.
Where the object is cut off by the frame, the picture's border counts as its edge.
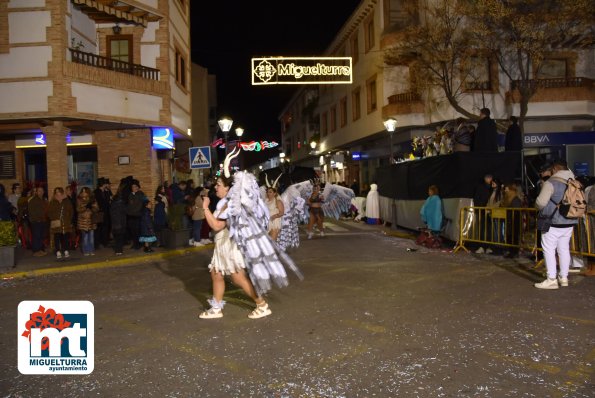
(431, 211)
(486, 135)
(37, 211)
(60, 213)
(86, 205)
(6, 208)
(160, 215)
(118, 222)
(134, 211)
(147, 231)
(514, 137)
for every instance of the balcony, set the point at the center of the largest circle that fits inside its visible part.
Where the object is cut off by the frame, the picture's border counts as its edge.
(555, 90)
(403, 103)
(98, 61)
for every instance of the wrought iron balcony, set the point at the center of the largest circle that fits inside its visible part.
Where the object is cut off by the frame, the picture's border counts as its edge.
(98, 61)
(562, 82)
(404, 97)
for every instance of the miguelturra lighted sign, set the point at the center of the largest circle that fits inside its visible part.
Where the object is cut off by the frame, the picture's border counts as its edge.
(301, 70)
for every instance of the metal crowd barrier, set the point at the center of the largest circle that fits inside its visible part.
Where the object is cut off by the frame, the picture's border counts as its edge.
(517, 228)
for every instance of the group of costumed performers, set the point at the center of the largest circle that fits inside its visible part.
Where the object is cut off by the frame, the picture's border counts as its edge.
(254, 227)
(243, 248)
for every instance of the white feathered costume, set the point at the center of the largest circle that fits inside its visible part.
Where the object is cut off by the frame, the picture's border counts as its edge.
(247, 220)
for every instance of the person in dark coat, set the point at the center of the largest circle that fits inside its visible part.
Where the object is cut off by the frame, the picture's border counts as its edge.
(60, 213)
(134, 211)
(514, 137)
(118, 221)
(160, 214)
(486, 135)
(103, 196)
(6, 211)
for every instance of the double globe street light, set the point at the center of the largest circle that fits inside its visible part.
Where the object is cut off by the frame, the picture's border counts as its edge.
(225, 125)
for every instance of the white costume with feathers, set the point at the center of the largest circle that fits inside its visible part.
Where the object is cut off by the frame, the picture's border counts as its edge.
(248, 218)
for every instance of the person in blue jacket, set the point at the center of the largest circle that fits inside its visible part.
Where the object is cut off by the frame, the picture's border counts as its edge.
(431, 211)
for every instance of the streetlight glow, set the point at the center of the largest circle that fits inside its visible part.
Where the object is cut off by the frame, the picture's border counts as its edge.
(313, 144)
(225, 124)
(239, 131)
(390, 125)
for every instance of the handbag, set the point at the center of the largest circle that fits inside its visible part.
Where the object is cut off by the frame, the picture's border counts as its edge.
(545, 222)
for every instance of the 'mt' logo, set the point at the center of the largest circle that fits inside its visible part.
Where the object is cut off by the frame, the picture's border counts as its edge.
(56, 337)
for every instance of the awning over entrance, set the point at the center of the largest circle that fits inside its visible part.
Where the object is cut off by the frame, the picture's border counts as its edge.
(110, 11)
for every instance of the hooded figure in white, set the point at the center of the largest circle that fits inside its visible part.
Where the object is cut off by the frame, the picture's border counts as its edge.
(373, 203)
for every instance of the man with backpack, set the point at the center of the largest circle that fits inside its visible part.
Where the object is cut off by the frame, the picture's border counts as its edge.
(557, 228)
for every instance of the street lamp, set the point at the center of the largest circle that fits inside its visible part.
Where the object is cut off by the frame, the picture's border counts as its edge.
(239, 132)
(225, 125)
(390, 125)
(313, 144)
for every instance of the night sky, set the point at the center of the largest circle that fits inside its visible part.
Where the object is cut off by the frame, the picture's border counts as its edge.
(227, 34)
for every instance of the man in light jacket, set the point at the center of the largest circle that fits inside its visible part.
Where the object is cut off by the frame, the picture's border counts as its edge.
(559, 234)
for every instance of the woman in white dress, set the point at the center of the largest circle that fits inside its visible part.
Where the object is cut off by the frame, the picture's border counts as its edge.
(227, 258)
(276, 211)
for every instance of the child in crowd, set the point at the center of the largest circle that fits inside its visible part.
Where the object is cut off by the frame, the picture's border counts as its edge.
(147, 230)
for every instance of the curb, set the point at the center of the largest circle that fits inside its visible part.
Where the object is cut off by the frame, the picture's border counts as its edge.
(103, 264)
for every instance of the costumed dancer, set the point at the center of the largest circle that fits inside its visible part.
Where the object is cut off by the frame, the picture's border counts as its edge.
(242, 246)
(373, 205)
(276, 208)
(316, 214)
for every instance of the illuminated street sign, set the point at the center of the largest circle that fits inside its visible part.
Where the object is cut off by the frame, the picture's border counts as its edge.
(301, 70)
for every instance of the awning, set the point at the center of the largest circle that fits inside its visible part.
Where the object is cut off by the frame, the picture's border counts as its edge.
(110, 11)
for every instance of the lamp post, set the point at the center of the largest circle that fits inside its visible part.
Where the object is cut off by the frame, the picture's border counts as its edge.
(225, 125)
(390, 125)
(239, 132)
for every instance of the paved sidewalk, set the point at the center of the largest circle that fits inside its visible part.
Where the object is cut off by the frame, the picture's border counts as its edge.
(28, 265)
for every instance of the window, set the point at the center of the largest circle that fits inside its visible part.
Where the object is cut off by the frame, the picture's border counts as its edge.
(369, 26)
(324, 124)
(478, 75)
(120, 48)
(553, 69)
(356, 104)
(7, 165)
(343, 111)
(333, 118)
(355, 49)
(180, 68)
(371, 94)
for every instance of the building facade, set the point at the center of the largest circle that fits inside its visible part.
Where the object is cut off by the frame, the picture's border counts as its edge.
(344, 123)
(92, 89)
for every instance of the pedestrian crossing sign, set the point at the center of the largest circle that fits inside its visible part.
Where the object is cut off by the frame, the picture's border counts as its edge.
(200, 157)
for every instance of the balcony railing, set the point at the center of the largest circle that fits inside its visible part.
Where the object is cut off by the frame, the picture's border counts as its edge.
(404, 97)
(98, 61)
(562, 82)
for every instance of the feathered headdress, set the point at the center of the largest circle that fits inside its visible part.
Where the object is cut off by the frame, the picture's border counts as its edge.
(268, 184)
(227, 160)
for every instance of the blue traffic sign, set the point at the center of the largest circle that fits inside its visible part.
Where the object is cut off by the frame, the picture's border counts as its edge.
(200, 157)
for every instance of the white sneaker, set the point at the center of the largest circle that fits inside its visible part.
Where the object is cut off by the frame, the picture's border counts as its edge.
(66, 254)
(198, 244)
(309, 235)
(547, 284)
(480, 251)
(58, 255)
(563, 281)
(489, 251)
(211, 313)
(260, 311)
(190, 242)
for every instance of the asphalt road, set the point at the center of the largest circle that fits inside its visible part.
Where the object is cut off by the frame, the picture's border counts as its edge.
(370, 319)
